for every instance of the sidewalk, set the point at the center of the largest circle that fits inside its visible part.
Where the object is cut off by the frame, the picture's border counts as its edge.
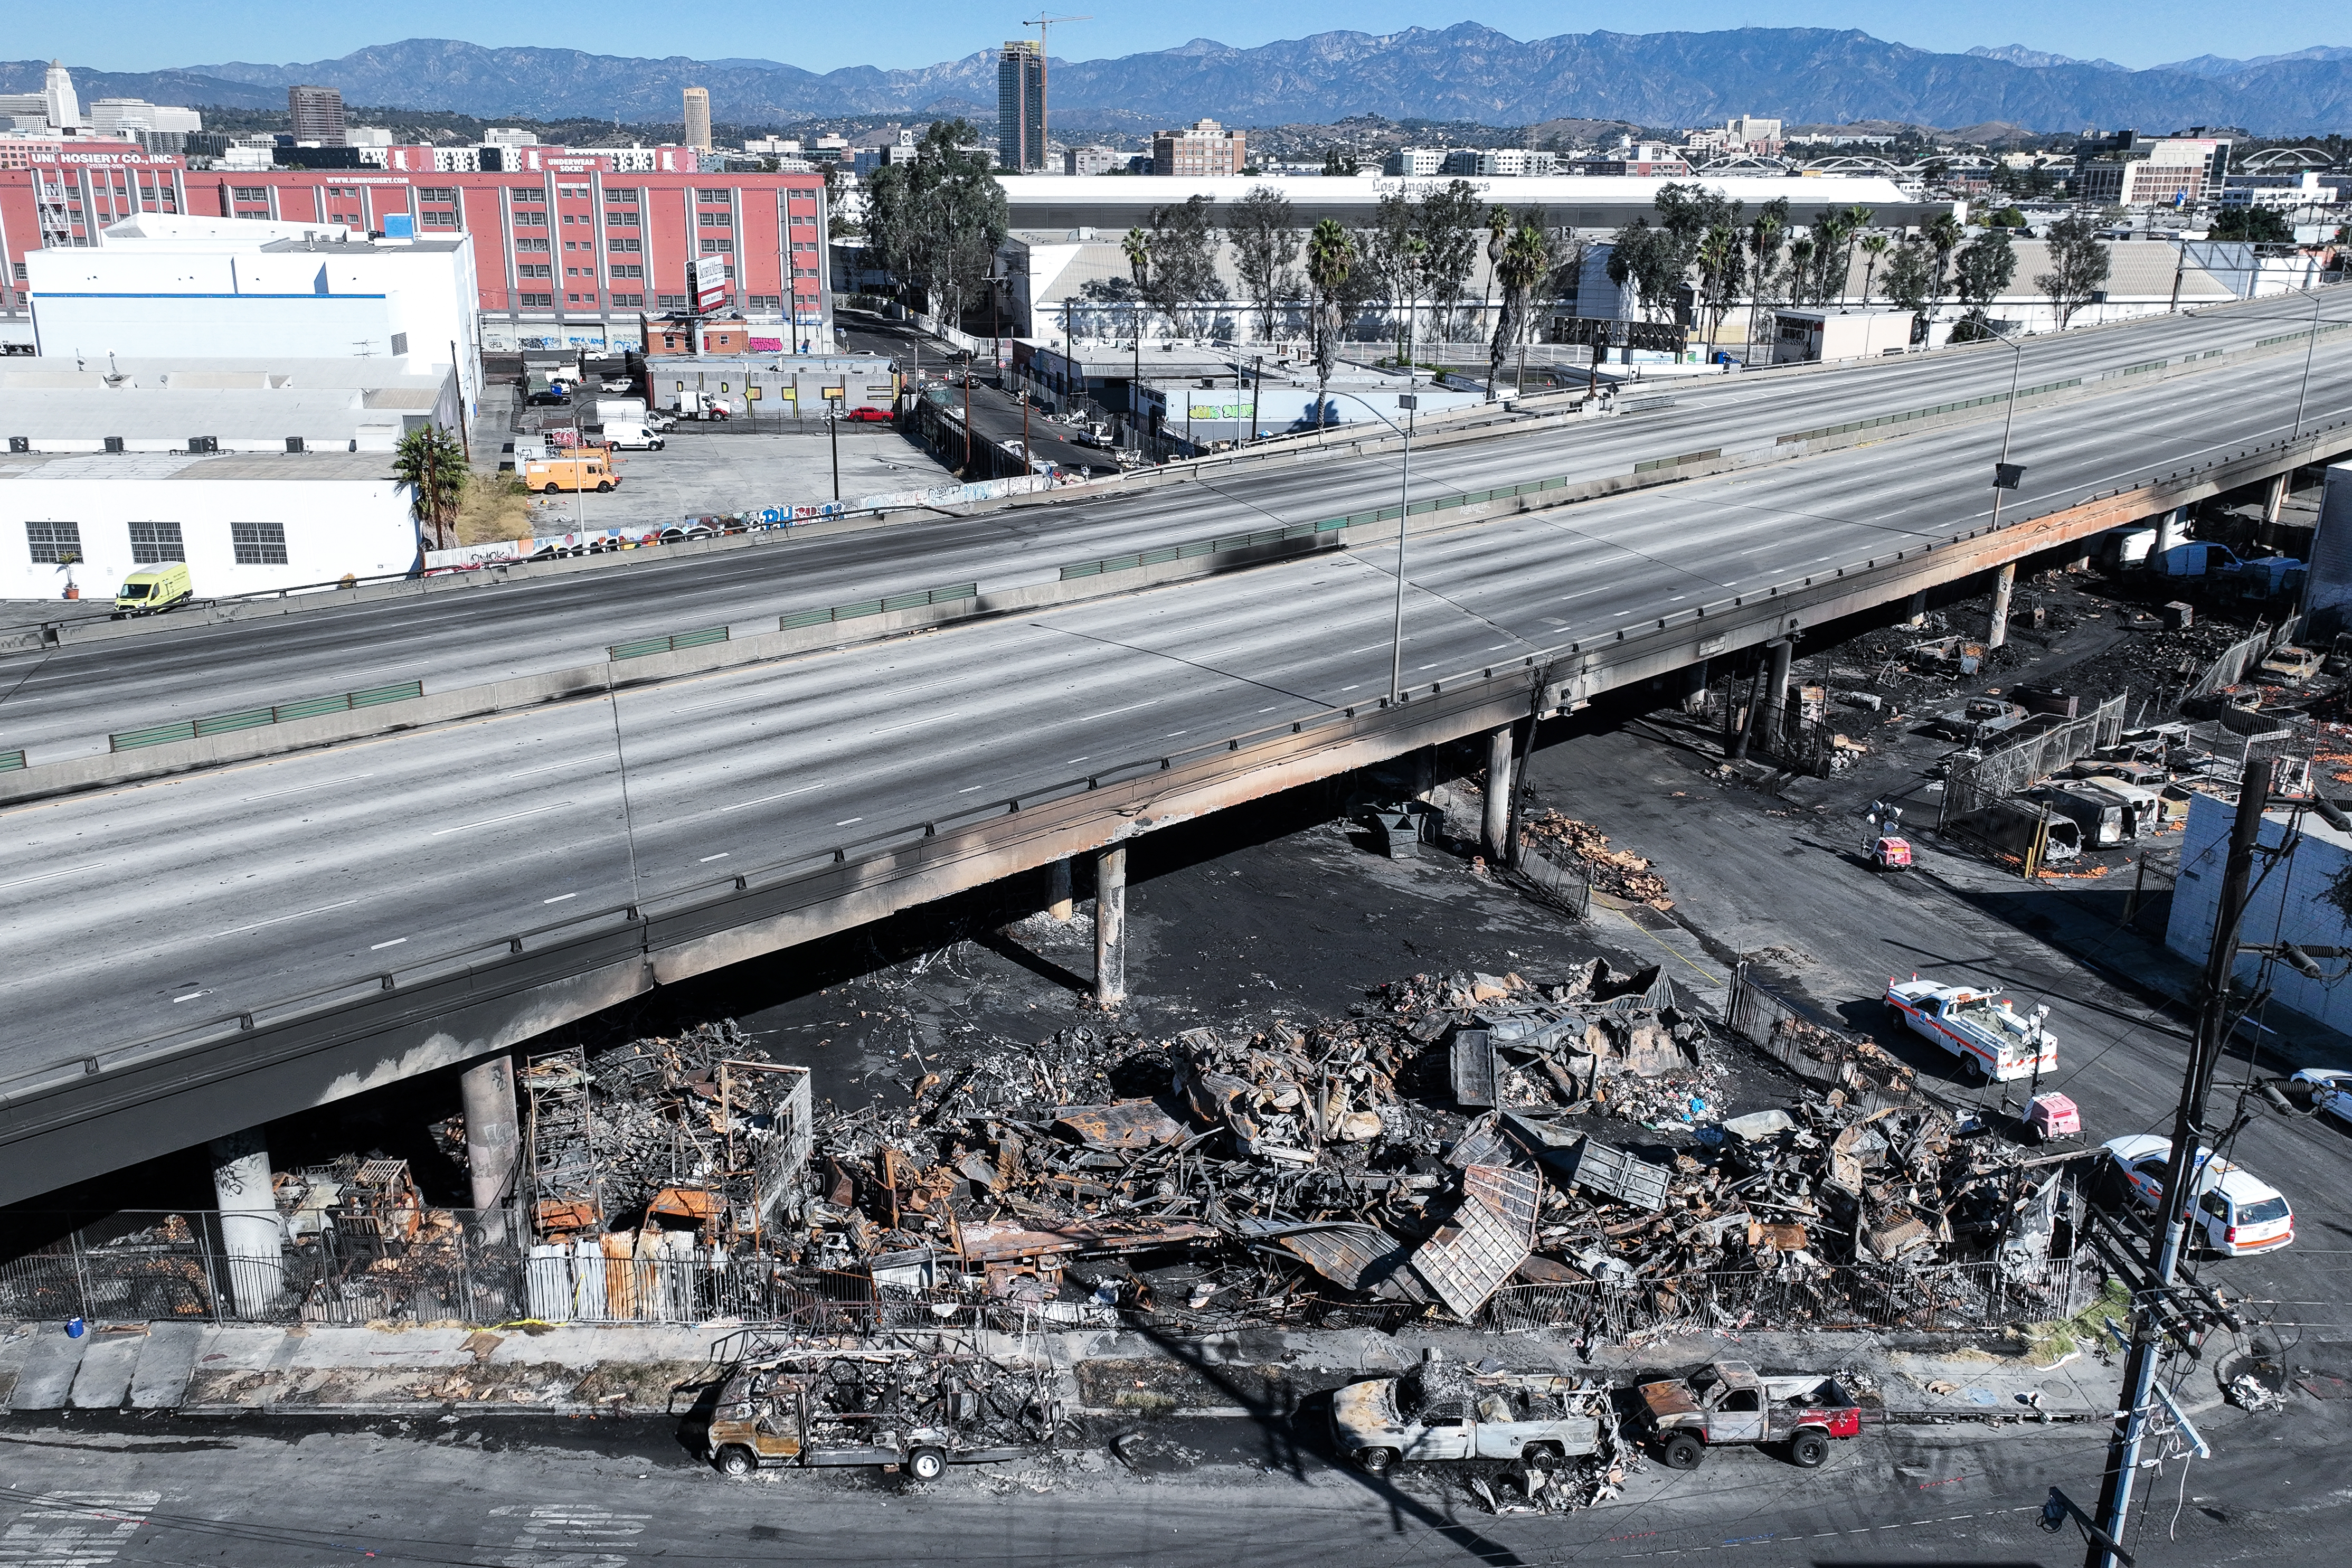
(629, 1369)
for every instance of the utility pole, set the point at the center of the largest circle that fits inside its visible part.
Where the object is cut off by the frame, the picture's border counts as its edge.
(2213, 1026)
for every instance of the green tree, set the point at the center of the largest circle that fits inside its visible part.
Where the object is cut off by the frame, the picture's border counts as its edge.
(1266, 242)
(2262, 226)
(1498, 236)
(1184, 247)
(1447, 220)
(1909, 283)
(1764, 238)
(936, 223)
(1804, 277)
(1330, 260)
(1391, 254)
(2078, 266)
(1526, 261)
(432, 463)
(1982, 270)
(1645, 260)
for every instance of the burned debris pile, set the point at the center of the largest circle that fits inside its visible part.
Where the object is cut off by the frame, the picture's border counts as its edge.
(1455, 1138)
(1620, 873)
(699, 1134)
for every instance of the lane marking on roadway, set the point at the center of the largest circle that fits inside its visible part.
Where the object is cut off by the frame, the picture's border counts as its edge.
(281, 920)
(194, 995)
(854, 819)
(764, 799)
(546, 767)
(45, 876)
(911, 723)
(379, 946)
(322, 784)
(509, 816)
(1108, 712)
(558, 898)
(559, 1533)
(707, 860)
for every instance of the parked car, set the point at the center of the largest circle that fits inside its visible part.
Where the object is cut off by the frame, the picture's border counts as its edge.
(2237, 1212)
(1727, 1403)
(2330, 1089)
(617, 383)
(867, 414)
(1444, 1411)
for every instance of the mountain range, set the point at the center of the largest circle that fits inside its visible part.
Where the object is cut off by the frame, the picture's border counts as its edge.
(1462, 72)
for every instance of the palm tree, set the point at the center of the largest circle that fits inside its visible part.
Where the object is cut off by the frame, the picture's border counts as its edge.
(1718, 254)
(1944, 233)
(1330, 258)
(1873, 246)
(1800, 269)
(1498, 235)
(1526, 261)
(432, 464)
(1764, 240)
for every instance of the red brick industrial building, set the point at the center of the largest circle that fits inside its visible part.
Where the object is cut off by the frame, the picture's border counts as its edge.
(572, 250)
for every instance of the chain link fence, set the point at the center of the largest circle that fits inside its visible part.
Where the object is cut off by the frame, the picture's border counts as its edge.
(1971, 786)
(1826, 1057)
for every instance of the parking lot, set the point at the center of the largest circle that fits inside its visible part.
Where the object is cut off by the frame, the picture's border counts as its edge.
(701, 471)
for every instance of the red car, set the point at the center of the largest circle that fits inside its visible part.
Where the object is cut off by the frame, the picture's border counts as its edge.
(869, 416)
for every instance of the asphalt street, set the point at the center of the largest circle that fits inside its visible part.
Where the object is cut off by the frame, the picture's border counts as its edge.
(528, 1492)
(1776, 880)
(63, 703)
(150, 910)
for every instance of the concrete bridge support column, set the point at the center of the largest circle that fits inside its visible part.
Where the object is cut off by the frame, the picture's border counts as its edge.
(2272, 502)
(1058, 902)
(1776, 688)
(1110, 926)
(250, 1232)
(2004, 581)
(2171, 529)
(493, 1138)
(1919, 609)
(1498, 795)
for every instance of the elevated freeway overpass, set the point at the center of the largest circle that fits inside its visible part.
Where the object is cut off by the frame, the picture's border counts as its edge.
(63, 699)
(197, 955)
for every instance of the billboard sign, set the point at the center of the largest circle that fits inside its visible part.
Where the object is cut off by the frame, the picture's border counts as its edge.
(709, 282)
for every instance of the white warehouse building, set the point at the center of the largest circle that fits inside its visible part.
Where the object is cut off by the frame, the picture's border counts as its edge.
(184, 287)
(244, 523)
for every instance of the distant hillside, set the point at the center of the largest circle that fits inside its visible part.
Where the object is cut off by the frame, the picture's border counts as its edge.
(1465, 72)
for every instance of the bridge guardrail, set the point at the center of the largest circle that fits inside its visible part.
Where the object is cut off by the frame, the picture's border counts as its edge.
(254, 718)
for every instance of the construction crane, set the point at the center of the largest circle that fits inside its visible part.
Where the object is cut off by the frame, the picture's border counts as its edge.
(1043, 22)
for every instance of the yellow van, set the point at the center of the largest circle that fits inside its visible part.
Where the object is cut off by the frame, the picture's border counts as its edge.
(157, 588)
(586, 471)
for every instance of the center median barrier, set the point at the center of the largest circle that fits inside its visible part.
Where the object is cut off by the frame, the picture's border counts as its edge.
(255, 718)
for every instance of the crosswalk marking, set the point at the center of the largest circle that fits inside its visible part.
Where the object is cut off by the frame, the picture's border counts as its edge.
(75, 1530)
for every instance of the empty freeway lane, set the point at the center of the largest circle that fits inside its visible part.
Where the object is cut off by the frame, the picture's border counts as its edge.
(63, 702)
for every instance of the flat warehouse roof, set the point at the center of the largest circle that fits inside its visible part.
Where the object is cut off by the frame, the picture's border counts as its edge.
(298, 466)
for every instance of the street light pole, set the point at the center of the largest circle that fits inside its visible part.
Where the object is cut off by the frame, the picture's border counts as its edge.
(1408, 402)
(2311, 346)
(2000, 471)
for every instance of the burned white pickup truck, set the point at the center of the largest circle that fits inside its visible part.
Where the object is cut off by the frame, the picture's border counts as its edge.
(1444, 1411)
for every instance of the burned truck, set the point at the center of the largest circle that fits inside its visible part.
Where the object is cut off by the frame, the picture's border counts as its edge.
(1443, 1411)
(915, 1412)
(1725, 1403)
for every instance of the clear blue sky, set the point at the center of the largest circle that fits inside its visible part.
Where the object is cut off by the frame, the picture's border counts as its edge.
(147, 35)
